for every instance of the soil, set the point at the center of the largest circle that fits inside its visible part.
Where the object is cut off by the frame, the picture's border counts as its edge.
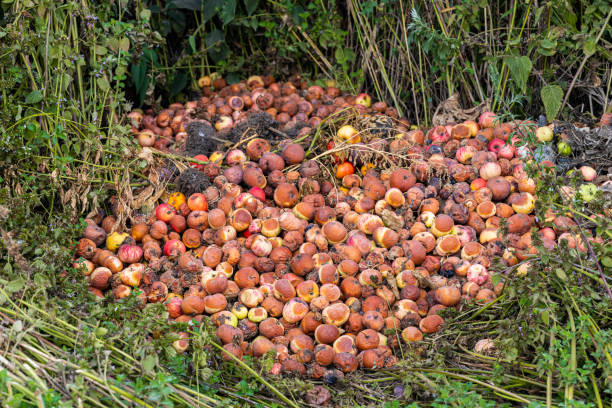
(192, 181)
(200, 139)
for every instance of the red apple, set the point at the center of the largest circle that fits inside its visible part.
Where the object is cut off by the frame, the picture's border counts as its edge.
(464, 154)
(174, 247)
(487, 120)
(495, 145)
(506, 151)
(164, 212)
(588, 173)
(439, 134)
(199, 157)
(258, 193)
(235, 156)
(478, 184)
(364, 100)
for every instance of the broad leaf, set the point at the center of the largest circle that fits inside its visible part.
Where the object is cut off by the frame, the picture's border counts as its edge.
(141, 81)
(551, 98)
(520, 67)
(589, 47)
(213, 38)
(103, 84)
(15, 285)
(34, 97)
(210, 9)
(178, 84)
(251, 6)
(228, 11)
(188, 4)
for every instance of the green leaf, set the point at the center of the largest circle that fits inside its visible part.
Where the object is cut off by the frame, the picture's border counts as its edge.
(551, 98)
(18, 326)
(214, 37)
(100, 49)
(545, 318)
(538, 13)
(124, 44)
(178, 84)
(103, 84)
(251, 6)
(561, 274)
(34, 97)
(228, 12)
(606, 261)
(495, 279)
(192, 43)
(188, 4)
(145, 14)
(15, 285)
(139, 76)
(589, 47)
(520, 67)
(149, 363)
(210, 9)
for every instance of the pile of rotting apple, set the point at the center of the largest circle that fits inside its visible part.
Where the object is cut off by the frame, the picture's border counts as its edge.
(333, 262)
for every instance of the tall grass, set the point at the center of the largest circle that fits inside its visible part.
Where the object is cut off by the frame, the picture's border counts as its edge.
(418, 54)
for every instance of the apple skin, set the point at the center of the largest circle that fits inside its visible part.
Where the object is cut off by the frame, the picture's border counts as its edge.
(588, 173)
(478, 184)
(164, 212)
(199, 157)
(506, 152)
(564, 149)
(495, 145)
(347, 132)
(544, 134)
(487, 120)
(258, 193)
(364, 100)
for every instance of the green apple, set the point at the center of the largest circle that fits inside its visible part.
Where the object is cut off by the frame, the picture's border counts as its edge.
(564, 149)
(588, 192)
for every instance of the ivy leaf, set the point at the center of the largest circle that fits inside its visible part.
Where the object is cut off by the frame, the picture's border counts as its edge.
(551, 98)
(34, 97)
(520, 67)
(251, 6)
